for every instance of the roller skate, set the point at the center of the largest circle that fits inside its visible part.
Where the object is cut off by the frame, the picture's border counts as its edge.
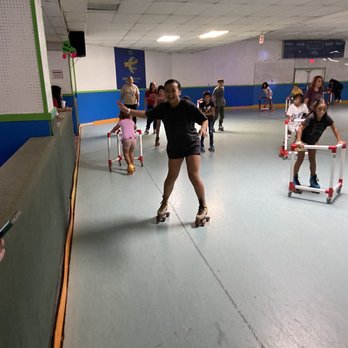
(202, 215)
(130, 169)
(157, 143)
(221, 128)
(297, 182)
(211, 148)
(313, 182)
(162, 212)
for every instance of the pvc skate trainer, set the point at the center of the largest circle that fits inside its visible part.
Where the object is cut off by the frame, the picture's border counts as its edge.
(333, 190)
(119, 148)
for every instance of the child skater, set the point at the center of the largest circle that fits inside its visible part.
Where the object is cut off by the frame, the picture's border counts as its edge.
(309, 132)
(268, 94)
(160, 99)
(179, 116)
(208, 109)
(296, 113)
(128, 139)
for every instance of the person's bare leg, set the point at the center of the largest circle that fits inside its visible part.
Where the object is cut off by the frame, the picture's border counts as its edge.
(312, 162)
(193, 165)
(158, 125)
(300, 158)
(174, 166)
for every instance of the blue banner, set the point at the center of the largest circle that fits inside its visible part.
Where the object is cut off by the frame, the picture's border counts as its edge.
(130, 62)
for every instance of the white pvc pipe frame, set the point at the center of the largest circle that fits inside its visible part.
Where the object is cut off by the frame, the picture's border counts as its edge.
(331, 190)
(119, 150)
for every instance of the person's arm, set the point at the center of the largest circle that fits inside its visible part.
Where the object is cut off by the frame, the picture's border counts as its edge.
(133, 113)
(137, 95)
(337, 134)
(113, 130)
(299, 137)
(203, 130)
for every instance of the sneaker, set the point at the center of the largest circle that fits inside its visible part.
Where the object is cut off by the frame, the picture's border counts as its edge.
(202, 149)
(221, 128)
(146, 131)
(211, 148)
(313, 182)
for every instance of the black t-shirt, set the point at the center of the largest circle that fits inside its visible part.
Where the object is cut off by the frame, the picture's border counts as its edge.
(206, 107)
(179, 123)
(314, 129)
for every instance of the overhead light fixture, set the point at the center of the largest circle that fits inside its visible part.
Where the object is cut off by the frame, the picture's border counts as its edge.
(168, 38)
(214, 33)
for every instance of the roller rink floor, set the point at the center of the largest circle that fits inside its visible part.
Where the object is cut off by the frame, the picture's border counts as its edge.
(266, 271)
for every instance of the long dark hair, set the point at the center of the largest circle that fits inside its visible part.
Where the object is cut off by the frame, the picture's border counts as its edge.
(56, 93)
(315, 79)
(152, 84)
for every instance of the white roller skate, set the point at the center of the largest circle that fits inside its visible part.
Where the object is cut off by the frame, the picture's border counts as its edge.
(202, 215)
(162, 212)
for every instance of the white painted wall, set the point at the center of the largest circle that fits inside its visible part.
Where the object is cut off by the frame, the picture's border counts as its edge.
(242, 63)
(56, 62)
(158, 67)
(96, 71)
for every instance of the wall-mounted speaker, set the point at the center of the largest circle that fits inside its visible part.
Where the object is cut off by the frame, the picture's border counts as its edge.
(77, 40)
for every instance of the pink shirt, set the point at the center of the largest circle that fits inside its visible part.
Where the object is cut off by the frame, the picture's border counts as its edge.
(127, 127)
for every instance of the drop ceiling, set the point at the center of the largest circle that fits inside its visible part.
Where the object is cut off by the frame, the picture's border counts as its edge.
(138, 24)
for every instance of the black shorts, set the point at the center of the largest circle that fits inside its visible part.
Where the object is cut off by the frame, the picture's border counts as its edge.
(195, 149)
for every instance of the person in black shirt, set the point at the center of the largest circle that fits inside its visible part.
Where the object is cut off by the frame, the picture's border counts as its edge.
(336, 88)
(208, 109)
(309, 132)
(179, 117)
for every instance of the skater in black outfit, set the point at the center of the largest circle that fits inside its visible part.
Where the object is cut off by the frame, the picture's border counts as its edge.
(179, 117)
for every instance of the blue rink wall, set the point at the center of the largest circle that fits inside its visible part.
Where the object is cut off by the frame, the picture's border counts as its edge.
(100, 105)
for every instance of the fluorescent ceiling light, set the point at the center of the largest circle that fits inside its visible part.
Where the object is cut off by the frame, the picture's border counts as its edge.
(214, 33)
(168, 38)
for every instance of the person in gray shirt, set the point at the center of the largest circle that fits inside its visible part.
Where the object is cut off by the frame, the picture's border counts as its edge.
(220, 102)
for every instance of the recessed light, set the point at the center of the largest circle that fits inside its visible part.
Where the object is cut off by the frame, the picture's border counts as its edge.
(168, 38)
(214, 33)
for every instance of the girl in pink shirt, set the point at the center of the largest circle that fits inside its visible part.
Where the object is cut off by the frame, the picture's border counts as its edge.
(128, 139)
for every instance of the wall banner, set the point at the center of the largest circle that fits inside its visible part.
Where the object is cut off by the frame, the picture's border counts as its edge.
(130, 62)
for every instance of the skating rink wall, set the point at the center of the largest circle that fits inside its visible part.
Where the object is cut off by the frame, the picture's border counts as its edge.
(243, 65)
(37, 180)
